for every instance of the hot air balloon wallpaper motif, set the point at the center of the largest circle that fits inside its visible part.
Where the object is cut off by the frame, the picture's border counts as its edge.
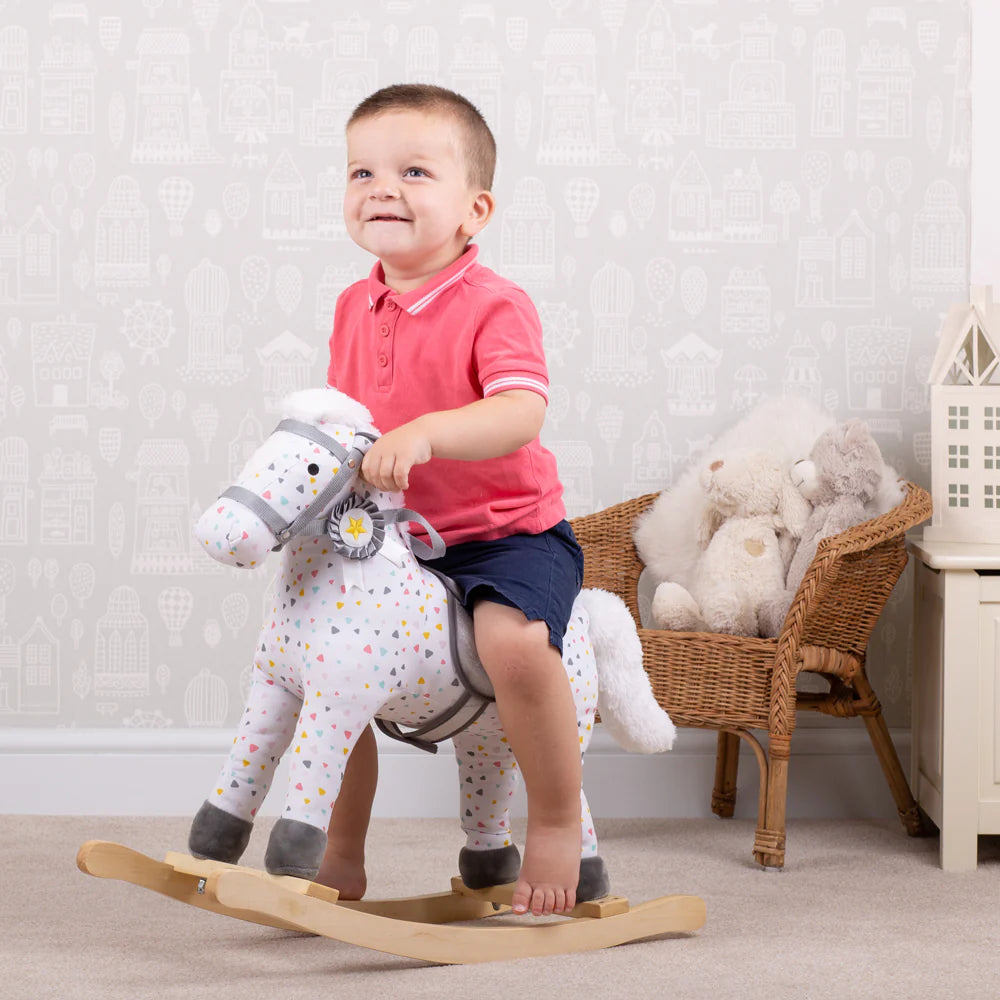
(175, 194)
(582, 195)
(175, 605)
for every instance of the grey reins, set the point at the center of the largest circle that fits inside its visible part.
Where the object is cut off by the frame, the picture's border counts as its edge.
(350, 460)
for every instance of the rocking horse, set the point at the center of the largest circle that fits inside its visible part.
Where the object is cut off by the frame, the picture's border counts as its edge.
(358, 630)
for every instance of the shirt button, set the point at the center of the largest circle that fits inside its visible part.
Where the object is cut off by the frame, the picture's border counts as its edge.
(390, 305)
(382, 361)
(384, 329)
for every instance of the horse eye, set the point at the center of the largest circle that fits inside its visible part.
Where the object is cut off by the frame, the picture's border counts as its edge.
(312, 468)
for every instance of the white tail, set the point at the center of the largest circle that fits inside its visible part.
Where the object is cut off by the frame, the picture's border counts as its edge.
(625, 697)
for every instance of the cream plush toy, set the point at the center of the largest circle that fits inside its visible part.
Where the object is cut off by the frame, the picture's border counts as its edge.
(752, 514)
(666, 535)
(842, 478)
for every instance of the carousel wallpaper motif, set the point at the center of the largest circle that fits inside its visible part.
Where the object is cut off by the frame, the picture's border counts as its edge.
(710, 202)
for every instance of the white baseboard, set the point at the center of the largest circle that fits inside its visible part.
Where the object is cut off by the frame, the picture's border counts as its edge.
(112, 772)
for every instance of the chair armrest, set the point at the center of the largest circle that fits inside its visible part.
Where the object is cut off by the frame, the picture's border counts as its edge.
(849, 581)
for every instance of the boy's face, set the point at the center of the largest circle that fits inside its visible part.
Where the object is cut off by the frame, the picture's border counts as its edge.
(408, 199)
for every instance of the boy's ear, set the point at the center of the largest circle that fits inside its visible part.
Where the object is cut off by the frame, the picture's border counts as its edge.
(480, 213)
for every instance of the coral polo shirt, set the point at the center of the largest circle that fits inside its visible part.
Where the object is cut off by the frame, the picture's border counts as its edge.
(462, 336)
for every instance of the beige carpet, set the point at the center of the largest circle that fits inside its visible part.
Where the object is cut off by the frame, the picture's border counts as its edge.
(860, 911)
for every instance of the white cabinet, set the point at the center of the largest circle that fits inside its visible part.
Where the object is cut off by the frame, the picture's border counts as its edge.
(955, 772)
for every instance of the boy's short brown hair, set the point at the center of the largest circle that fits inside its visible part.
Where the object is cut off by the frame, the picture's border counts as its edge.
(480, 150)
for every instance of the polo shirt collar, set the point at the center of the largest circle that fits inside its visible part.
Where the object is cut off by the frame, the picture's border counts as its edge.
(417, 299)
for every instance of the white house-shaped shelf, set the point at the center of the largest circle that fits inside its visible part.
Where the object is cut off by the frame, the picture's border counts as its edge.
(965, 424)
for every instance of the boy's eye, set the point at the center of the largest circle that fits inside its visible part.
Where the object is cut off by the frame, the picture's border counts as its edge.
(360, 174)
(414, 172)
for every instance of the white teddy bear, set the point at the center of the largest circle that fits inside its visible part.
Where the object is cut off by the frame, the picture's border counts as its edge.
(753, 513)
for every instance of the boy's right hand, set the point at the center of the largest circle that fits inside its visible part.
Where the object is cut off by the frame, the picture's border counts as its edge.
(389, 460)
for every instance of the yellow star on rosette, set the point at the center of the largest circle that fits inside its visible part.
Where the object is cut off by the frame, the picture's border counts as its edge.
(357, 527)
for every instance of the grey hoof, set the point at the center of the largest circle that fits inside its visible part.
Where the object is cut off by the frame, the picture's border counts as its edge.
(482, 869)
(218, 835)
(594, 882)
(295, 848)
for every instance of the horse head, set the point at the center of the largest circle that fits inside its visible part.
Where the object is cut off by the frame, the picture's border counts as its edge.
(310, 462)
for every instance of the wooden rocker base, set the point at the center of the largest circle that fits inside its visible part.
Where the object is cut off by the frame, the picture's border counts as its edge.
(411, 926)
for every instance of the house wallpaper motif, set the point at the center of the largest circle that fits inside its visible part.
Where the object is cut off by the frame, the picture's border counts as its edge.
(710, 201)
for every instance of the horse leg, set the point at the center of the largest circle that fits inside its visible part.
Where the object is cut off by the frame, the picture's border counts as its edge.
(487, 775)
(319, 754)
(594, 882)
(581, 669)
(221, 828)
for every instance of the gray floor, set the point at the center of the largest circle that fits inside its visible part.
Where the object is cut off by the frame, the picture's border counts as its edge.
(860, 911)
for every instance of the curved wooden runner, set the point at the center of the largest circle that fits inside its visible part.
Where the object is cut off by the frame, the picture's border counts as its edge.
(412, 927)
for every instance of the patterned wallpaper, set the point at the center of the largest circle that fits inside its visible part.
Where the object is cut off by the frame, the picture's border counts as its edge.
(710, 201)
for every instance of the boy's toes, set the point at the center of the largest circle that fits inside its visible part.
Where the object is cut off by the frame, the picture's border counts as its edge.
(522, 898)
(543, 902)
(562, 901)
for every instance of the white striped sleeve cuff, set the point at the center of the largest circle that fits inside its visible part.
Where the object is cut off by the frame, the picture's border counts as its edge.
(504, 383)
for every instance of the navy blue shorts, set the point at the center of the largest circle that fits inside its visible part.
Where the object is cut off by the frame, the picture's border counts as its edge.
(540, 575)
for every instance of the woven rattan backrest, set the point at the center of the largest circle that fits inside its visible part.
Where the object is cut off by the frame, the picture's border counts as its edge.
(851, 577)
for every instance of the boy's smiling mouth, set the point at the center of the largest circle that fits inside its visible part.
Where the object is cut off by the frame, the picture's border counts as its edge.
(386, 217)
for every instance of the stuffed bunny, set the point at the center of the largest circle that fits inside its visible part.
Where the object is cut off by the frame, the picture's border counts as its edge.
(842, 475)
(752, 508)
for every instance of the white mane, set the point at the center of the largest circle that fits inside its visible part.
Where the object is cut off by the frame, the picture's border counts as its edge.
(329, 405)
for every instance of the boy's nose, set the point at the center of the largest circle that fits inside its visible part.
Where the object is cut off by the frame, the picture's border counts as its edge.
(384, 189)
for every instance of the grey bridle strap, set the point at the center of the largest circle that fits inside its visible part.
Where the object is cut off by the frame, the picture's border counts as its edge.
(312, 433)
(349, 460)
(275, 522)
(352, 460)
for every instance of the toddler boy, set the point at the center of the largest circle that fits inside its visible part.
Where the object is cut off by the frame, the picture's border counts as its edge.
(448, 358)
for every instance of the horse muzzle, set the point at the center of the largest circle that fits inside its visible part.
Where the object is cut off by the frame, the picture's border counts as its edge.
(233, 534)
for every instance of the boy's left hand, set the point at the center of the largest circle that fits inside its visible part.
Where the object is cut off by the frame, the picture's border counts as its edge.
(389, 460)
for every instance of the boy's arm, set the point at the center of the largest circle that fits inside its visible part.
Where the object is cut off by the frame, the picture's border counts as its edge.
(487, 428)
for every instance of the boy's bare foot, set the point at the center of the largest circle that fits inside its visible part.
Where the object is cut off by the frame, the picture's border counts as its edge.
(550, 871)
(346, 875)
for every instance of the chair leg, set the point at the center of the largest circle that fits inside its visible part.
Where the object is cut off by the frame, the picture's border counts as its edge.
(878, 732)
(727, 762)
(769, 841)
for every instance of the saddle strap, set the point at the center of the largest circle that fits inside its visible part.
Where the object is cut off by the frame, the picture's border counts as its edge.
(459, 716)
(476, 694)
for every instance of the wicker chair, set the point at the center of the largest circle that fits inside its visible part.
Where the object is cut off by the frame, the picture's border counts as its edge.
(736, 684)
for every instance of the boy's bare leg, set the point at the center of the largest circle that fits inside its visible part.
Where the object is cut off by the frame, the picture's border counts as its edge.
(536, 708)
(343, 865)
